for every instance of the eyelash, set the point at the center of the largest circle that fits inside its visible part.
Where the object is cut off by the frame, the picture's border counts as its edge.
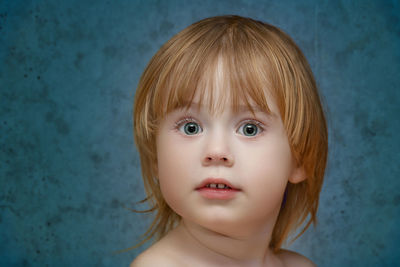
(182, 121)
(260, 126)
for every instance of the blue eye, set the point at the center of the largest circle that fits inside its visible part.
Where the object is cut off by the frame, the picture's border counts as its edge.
(249, 129)
(190, 128)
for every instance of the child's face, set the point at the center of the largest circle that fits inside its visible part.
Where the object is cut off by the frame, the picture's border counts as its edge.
(249, 152)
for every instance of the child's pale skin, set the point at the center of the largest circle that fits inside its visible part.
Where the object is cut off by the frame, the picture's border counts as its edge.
(193, 145)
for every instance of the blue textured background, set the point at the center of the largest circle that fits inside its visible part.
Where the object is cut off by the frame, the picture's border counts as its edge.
(68, 164)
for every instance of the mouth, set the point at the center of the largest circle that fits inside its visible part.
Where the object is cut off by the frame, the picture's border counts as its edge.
(215, 188)
(218, 186)
(217, 183)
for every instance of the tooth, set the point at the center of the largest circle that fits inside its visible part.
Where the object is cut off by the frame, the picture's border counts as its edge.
(221, 186)
(213, 186)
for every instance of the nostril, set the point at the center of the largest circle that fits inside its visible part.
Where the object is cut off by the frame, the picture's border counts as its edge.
(217, 159)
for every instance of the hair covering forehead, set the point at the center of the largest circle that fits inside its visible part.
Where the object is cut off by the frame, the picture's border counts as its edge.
(213, 71)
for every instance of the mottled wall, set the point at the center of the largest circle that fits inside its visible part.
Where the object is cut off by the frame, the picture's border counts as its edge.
(68, 165)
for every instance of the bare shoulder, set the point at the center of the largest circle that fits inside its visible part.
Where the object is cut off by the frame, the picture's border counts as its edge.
(291, 258)
(161, 253)
(152, 257)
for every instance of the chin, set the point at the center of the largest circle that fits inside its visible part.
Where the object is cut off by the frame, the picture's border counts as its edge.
(226, 227)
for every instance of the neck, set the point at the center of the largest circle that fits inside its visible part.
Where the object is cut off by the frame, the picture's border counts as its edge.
(246, 250)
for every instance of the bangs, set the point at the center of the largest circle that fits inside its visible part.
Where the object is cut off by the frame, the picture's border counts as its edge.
(217, 65)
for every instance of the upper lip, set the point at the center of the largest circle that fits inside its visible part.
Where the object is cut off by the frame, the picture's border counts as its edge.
(207, 181)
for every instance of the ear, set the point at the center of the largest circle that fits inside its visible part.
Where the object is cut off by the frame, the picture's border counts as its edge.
(298, 175)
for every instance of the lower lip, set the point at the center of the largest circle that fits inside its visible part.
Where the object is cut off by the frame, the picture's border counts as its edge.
(213, 193)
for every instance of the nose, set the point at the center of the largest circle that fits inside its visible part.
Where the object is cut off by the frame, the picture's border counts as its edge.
(217, 152)
(216, 159)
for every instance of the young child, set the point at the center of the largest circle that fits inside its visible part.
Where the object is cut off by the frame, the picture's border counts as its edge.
(233, 145)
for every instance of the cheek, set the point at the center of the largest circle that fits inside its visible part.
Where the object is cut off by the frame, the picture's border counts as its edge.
(272, 158)
(268, 169)
(174, 171)
(174, 159)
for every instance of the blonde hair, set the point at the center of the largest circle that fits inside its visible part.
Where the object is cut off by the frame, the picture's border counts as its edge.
(257, 58)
